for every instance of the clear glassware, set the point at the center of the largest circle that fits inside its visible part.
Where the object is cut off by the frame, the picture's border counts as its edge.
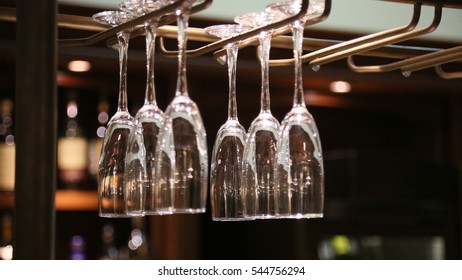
(228, 150)
(299, 171)
(260, 148)
(142, 143)
(182, 159)
(141, 7)
(111, 196)
(292, 7)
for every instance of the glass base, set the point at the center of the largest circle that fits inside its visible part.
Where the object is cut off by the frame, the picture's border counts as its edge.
(158, 213)
(188, 210)
(230, 219)
(300, 216)
(262, 217)
(116, 215)
(136, 214)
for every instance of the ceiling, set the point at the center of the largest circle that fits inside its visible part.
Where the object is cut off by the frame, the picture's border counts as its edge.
(352, 16)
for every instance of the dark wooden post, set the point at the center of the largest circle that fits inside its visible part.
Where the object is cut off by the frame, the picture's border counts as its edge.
(36, 129)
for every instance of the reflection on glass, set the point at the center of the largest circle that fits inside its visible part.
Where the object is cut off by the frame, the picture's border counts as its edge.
(111, 165)
(141, 153)
(299, 169)
(182, 160)
(226, 165)
(260, 147)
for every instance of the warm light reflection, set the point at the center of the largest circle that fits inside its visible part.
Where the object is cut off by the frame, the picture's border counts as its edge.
(6, 253)
(310, 95)
(79, 66)
(340, 87)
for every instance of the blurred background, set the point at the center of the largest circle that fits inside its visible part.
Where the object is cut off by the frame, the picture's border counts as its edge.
(392, 145)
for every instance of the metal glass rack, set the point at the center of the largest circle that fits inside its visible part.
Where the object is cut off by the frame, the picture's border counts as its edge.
(382, 44)
(320, 51)
(36, 68)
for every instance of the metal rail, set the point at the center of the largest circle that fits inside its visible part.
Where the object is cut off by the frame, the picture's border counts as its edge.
(166, 15)
(249, 37)
(344, 46)
(381, 44)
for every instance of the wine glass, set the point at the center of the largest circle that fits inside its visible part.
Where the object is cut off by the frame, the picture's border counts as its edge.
(299, 168)
(260, 146)
(141, 152)
(182, 160)
(228, 150)
(111, 164)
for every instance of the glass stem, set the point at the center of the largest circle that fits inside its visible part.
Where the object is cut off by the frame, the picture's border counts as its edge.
(182, 18)
(297, 30)
(151, 27)
(265, 45)
(123, 38)
(232, 50)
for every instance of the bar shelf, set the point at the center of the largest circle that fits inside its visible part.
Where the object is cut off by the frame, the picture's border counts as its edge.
(65, 200)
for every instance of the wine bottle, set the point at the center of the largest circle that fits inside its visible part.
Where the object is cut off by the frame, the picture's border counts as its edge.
(72, 148)
(7, 147)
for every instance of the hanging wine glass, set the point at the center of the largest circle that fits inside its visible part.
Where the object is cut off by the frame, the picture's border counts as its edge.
(226, 163)
(141, 152)
(260, 146)
(111, 195)
(182, 160)
(299, 169)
